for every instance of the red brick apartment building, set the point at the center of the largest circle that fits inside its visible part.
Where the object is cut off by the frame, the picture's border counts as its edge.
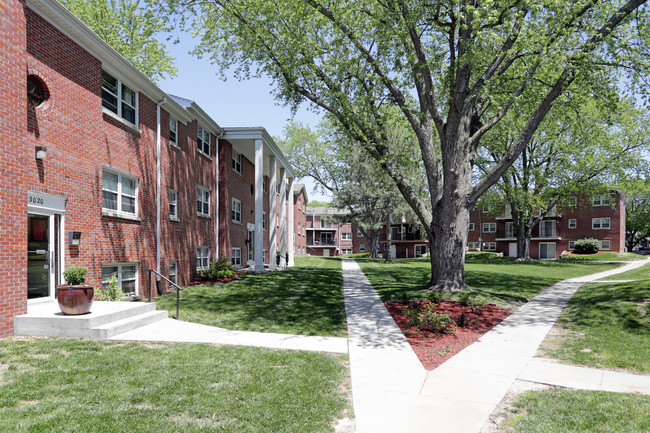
(601, 217)
(100, 168)
(300, 201)
(325, 236)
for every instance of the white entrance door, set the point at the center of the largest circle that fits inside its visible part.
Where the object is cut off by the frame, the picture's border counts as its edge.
(512, 249)
(326, 252)
(393, 251)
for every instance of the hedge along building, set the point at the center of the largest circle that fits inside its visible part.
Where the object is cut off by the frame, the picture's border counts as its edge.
(102, 169)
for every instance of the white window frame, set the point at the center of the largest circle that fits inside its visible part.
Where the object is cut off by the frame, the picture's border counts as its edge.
(119, 96)
(201, 194)
(202, 258)
(542, 226)
(419, 247)
(346, 236)
(235, 254)
(509, 233)
(487, 208)
(489, 246)
(573, 223)
(573, 202)
(597, 223)
(173, 201)
(362, 247)
(547, 243)
(236, 213)
(237, 162)
(489, 227)
(202, 142)
(173, 271)
(473, 245)
(600, 200)
(173, 128)
(359, 234)
(120, 280)
(265, 222)
(601, 244)
(572, 245)
(346, 251)
(120, 194)
(471, 227)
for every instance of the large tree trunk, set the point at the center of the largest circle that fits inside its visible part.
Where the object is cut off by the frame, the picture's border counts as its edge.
(374, 243)
(447, 245)
(524, 234)
(389, 237)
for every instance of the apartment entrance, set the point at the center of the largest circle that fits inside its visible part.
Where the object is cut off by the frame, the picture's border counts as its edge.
(44, 245)
(251, 244)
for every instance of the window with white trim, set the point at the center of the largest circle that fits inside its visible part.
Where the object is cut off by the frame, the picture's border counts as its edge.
(573, 223)
(471, 227)
(265, 222)
(359, 234)
(202, 258)
(119, 192)
(235, 257)
(173, 205)
(546, 229)
(236, 162)
(203, 141)
(420, 250)
(173, 131)
(573, 202)
(298, 229)
(489, 246)
(605, 244)
(265, 185)
(487, 208)
(572, 245)
(362, 247)
(119, 98)
(547, 251)
(346, 251)
(127, 276)
(600, 223)
(173, 272)
(202, 201)
(236, 211)
(473, 245)
(600, 200)
(346, 236)
(489, 227)
(510, 230)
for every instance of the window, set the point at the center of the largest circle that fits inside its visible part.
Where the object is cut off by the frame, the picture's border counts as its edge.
(173, 205)
(202, 201)
(510, 230)
(346, 236)
(420, 250)
(489, 246)
(265, 222)
(600, 223)
(471, 227)
(362, 247)
(572, 244)
(473, 245)
(573, 202)
(605, 244)
(126, 277)
(173, 271)
(236, 211)
(489, 227)
(298, 228)
(487, 208)
(359, 234)
(410, 229)
(173, 128)
(202, 258)
(346, 251)
(546, 229)
(547, 251)
(203, 141)
(573, 223)
(236, 162)
(236, 257)
(37, 92)
(118, 98)
(600, 200)
(119, 192)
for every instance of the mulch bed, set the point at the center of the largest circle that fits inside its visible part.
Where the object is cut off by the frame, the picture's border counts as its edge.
(434, 349)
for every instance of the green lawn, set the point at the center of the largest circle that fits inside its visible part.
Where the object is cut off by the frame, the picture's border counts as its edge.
(641, 273)
(608, 326)
(569, 411)
(605, 257)
(499, 279)
(49, 385)
(305, 300)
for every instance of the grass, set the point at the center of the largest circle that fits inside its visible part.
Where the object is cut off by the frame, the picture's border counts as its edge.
(642, 273)
(569, 411)
(605, 257)
(608, 326)
(305, 300)
(500, 280)
(49, 385)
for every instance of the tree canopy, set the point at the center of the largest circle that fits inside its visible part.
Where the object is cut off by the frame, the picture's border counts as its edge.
(453, 70)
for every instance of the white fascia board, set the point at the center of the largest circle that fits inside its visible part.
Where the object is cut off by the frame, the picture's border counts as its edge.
(204, 120)
(112, 61)
(257, 133)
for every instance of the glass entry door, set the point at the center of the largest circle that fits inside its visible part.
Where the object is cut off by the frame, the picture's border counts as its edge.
(251, 245)
(41, 256)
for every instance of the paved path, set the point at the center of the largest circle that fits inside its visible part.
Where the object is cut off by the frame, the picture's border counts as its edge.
(178, 331)
(391, 390)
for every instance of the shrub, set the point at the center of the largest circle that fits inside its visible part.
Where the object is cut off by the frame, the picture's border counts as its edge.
(586, 246)
(469, 299)
(222, 268)
(112, 292)
(434, 296)
(75, 275)
(427, 318)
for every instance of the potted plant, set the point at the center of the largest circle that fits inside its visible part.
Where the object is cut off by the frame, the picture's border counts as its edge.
(75, 297)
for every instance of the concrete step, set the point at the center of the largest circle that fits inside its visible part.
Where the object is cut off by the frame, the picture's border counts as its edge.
(117, 327)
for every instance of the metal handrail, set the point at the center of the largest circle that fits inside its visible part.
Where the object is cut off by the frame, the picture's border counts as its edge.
(178, 289)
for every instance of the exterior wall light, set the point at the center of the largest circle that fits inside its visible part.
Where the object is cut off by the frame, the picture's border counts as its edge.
(41, 152)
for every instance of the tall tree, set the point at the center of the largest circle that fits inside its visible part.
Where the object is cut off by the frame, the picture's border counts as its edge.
(131, 30)
(637, 211)
(453, 70)
(578, 150)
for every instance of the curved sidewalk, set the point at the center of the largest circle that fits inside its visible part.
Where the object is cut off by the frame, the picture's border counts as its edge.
(391, 390)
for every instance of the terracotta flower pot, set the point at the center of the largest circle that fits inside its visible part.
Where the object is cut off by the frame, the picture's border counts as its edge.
(75, 300)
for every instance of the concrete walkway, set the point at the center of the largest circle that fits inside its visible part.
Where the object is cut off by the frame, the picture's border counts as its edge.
(393, 392)
(170, 330)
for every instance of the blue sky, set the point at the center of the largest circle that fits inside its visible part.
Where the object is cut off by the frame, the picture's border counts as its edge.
(231, 102)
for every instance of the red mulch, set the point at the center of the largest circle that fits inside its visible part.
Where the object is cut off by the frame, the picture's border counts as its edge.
(434, 349)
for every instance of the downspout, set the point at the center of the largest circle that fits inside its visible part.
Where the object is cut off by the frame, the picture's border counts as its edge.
(216, 217)
(158, 192)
